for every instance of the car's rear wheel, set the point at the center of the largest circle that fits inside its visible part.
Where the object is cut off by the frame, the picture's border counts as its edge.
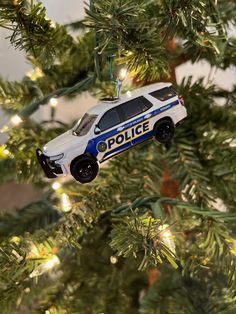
(164, 131)
(84, 169)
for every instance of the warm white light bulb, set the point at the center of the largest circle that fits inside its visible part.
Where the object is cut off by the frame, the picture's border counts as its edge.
(122, 74)
(16, 120)
(113, 259)
(6, 152)
(166, 234)
(53, 24)
(52, 262)
(41, 269)
(34, 74)
(167, 237)
(128, 93)
(56, 185)
(4, 129)
(53, 102)
(65, 203)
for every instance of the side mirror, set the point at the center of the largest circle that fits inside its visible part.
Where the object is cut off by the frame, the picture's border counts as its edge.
(97, 130)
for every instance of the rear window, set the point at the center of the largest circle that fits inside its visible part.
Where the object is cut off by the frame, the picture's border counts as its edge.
(164, 93)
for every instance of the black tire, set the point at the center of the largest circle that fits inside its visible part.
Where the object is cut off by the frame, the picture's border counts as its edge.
(84, 169)
(164, 131)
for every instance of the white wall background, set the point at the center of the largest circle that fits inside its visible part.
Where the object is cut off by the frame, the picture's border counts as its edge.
(13, 64)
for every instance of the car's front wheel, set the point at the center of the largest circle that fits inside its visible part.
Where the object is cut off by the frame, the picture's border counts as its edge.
(84, 169)
(164, 131)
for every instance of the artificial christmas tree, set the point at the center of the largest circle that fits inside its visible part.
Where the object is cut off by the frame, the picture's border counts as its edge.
(154, 233)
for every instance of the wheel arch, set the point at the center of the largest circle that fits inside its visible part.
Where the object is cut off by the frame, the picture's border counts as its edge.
(80, 157)
(164, 118)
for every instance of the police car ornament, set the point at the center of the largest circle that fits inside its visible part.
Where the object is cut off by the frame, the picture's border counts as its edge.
(110, 128)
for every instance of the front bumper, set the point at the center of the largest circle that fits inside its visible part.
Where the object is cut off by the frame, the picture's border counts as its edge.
(51, 169)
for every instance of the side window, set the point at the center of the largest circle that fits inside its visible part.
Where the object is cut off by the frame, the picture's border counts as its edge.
(164, 93)
(134, 107)
(146, 104)
(110, 119)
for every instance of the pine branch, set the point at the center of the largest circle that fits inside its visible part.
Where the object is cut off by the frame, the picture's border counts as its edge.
(35, 216)
(33, 32)
(77, 63)
(188, 170)
(25, 164)
(79, 87)
(8, 170)
(178, 295)
(78, 25)
(139, 42)
(15, 96)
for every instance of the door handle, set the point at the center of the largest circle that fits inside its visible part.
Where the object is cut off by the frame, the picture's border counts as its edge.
(147, 116)
(121, 128)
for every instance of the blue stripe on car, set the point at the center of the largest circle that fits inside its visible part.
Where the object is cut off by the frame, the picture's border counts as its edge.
(142, 137)
(92, 144)
(126, 145)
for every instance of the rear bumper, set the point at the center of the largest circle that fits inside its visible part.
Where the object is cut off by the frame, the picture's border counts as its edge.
(50, 169)
(179, 115)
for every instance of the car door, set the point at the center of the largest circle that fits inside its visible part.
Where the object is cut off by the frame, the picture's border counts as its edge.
(111, 139)
(137, 113)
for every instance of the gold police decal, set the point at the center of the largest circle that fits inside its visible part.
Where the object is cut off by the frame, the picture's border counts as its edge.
(127, 135)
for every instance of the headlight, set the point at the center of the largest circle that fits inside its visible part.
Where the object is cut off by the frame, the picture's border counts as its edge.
(57, 157)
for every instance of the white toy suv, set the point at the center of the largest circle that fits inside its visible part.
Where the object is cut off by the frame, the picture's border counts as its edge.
(111, 128)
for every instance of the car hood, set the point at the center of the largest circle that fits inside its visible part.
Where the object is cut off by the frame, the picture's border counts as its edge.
(61, 144)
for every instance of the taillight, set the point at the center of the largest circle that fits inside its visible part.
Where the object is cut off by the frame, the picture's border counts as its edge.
(181, 100)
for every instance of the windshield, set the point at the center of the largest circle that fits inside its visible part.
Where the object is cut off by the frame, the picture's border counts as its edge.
(84, 125)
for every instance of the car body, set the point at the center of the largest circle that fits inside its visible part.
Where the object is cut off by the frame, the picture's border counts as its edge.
(112, 127)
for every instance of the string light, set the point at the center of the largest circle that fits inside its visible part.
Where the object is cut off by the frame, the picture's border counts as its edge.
(16, 120)
(53, 310)
(128, 93)
(53, 24)
(51, 263)
(113, 259)
(6, 152)
(4, 129)
(53, 102)
(15, 239)
(56, 185)
(41, 269)
(122, 74)
(167, 237)
(35, 73)
(65, 203)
